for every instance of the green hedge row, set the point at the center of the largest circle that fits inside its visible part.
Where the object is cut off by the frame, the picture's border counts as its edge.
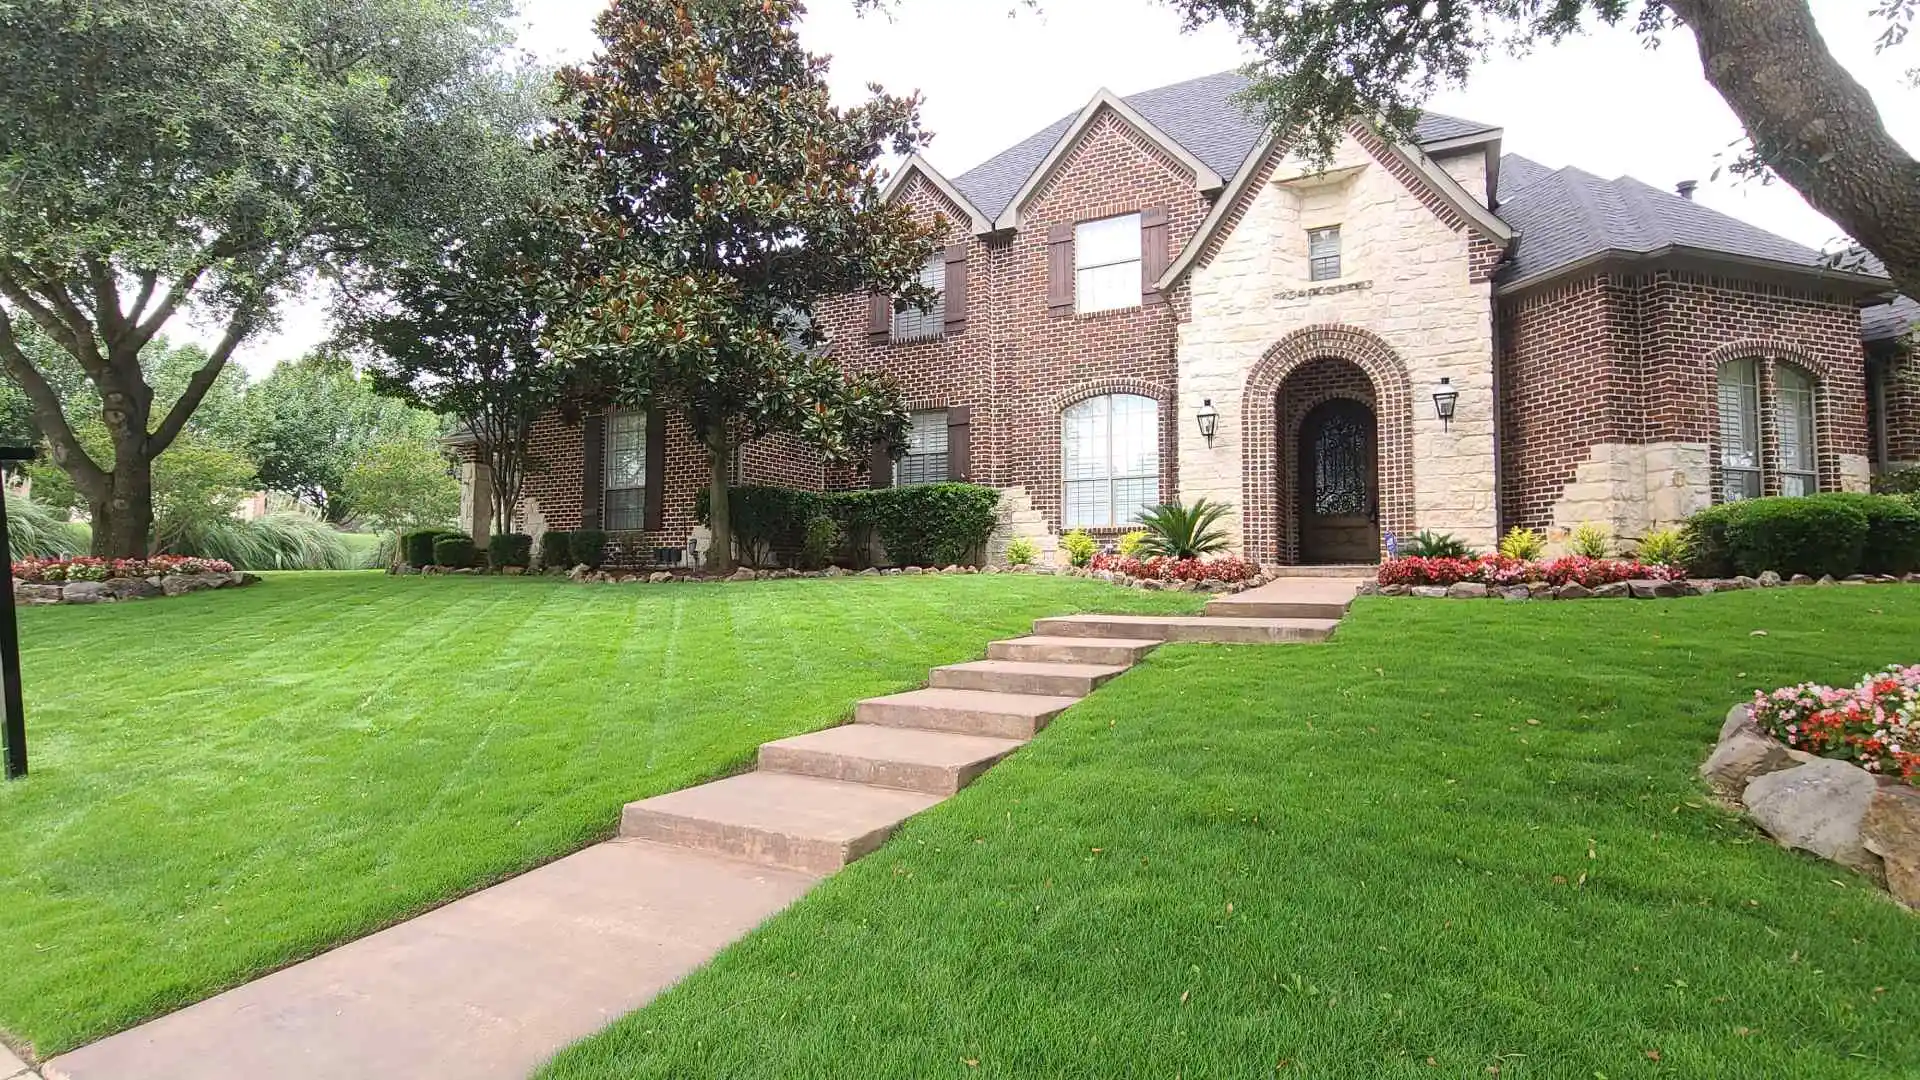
(1836, 533)
(416, 547)
(919, 525)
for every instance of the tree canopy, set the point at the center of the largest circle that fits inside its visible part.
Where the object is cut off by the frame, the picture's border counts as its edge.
(311, 419)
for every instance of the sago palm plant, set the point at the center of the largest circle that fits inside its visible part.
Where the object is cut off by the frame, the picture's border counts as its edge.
(1184, 532)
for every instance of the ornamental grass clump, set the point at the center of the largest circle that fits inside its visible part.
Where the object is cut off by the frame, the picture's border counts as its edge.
(1874, 724)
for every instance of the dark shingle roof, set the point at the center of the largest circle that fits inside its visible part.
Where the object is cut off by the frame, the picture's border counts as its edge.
(1883, 322)
(1565, 215)
(1199, 114)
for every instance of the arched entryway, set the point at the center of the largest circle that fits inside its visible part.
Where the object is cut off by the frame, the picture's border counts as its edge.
(1328, 438)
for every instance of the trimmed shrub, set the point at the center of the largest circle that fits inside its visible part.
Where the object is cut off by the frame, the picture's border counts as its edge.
(509, 549)
(455, 550)
(417, 545)
(1080, 547)
(588, 547)
(556, 550)
(1590, 541)
(858, 514)
(1524, 544)
(1814, 535)
(1898, 482)
(767, 521)
(931, 524)
(1021, 552)
(1709, 554)
(822, 541)
(1892, 543)
(1662, 547)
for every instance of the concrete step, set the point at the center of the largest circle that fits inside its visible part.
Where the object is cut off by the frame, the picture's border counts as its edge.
(1066, 650)
(1348, 570)
(1024, 677)
(1188, 628)
(1290, 598)
(776, 819)
(964, 712)
(935, 762)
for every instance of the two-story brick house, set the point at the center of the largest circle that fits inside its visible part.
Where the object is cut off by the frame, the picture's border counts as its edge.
(1152, 300)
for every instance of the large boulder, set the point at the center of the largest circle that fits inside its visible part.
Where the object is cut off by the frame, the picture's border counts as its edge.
(1891, 830)
(1739, 718)
(1740, 758)
(132, 588)
(29, 593)
(85, 592)
(1818, 807)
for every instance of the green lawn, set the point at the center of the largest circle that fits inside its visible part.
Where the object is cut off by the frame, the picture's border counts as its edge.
(229, 781)
(1461, 838)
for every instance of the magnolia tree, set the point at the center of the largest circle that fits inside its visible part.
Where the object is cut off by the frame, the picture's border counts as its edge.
(159, 157)
(726, 194)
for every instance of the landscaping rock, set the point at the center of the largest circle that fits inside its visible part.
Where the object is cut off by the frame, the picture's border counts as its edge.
(1891, 830)
(1798, 579)
(1467, 590)
(85, 592)
(659, 577)
(1612, 590)
(1539, 590)
(1430, 592)
(1739, 718)
(1516, 592)
(870, 572)
(1573, 590)
(1745, 582)
(132, 588)
(1740, 758)
(912, 571)
(745, 573)
(1649, 590)
(1913, 579)
(1368, 588)
(1818, 807)
(182, 584)
(241, 579)
(1768, 579)
(1827, 580)
(36, 594)
(1395, 590)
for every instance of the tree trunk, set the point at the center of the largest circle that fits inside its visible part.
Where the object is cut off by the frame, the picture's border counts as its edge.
(123, 522)
(1812, 123)
(720, 511)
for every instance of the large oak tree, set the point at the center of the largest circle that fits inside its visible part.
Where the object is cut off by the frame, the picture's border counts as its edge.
(160, 158)
(727, 195)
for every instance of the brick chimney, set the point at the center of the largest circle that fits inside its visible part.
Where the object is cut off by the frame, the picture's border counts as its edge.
(1685, 188)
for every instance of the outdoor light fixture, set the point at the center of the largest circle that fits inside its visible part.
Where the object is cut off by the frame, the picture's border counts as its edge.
(1444, 399)
(1209, 418)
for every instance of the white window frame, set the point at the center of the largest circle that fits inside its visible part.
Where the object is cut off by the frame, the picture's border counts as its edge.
(623, 500)
(1108, 492)
(927, 456)
(1106, 267)
(1323, 253)
(1795, 394)
(910, 324)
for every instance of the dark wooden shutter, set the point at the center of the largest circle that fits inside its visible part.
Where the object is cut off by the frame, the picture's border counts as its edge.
(959, 449)
(880, 467)
(956, 289)
(654, 498)
(879, 318)
(1154, 253)
(593, 469)
(1060, 270)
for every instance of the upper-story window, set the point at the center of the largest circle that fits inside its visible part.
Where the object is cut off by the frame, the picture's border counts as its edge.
(1110, 460)
(1323, 253)
(625, 506)
(925, 461)
(1106, 264)
(912, 324)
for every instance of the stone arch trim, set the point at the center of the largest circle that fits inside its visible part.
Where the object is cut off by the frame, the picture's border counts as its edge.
(1769, 354)
(1267, 539)
(1169, 431)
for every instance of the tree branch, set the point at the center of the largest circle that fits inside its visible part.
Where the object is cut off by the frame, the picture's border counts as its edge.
(238, 327)
(106, 301)
(148, 280)
(78, 342)
(50, 417)
(176, 295)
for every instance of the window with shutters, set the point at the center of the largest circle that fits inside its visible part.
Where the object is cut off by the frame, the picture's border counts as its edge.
(911, 324)
(1323, 253)
(1739, 430)
(1106, 264)
(625, 506)
(925, 461)
(1110, 460)
(1793, 397)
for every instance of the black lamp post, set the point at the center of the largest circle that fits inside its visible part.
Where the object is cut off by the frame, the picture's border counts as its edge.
(1209, 418)
(1445, 397)
(16, 714)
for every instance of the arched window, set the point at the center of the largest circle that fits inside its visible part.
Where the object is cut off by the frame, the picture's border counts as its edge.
(1110, 460)
(1739, 430)
(1799, 463)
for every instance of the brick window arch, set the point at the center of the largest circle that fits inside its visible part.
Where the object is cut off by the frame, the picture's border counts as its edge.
(1772, 424)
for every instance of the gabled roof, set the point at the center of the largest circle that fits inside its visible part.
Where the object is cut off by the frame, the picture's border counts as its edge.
(1884, 322)
(1199, 115)
(977, 221)
(1569, 216)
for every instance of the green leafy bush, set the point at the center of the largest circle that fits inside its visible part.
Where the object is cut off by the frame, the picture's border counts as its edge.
(1427, 544)
(1892, 544)
(1709, 554)
(1131, 544)
(38, 531)
(454, 550)
(1837, 533)
(1177, 531)
(930, 524)
(509, 549)
(417, 545)
(1898, 482)
(1021, 552)
(556, 550)
(1523, 544)
(588, 548)
(767, 520)
(1662, 547)
(822, 541)
(1590, 541)
(1080, 547)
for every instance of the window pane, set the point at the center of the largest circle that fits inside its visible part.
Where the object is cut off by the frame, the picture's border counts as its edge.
(1101, 243)
(1087, 504)
(626, 435)
(1108, 288)
(626, 510)
(914, 325)
(1323, 253)
(926, 458)
(1083, 441)
(1797, 448)
(1110, 460)
(1740, 417)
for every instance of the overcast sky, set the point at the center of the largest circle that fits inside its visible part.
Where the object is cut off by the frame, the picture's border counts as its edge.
(992, 76)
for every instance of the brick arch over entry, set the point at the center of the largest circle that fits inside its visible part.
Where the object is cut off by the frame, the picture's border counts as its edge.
(1769, 356)
(1267, 538)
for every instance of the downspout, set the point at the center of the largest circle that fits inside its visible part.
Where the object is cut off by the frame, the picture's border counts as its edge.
(1499, 408)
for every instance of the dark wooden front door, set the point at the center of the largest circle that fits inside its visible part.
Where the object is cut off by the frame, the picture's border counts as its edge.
(1339, 484)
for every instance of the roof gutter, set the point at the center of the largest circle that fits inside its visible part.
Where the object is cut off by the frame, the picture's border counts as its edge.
(1865, 288)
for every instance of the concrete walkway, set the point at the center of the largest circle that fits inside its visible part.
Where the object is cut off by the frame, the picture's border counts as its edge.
(491, 986)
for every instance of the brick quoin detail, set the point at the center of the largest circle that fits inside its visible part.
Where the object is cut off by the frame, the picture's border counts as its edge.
(1265, 484)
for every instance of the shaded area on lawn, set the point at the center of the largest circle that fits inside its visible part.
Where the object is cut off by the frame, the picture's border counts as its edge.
(227, 782)
(1459, 838)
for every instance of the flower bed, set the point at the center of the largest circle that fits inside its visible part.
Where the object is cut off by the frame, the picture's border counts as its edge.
(1495, 570)
(1874, 724)
(1227, 568)
(94, 568)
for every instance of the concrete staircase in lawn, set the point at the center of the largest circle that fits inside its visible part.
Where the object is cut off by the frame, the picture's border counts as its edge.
(817, 802)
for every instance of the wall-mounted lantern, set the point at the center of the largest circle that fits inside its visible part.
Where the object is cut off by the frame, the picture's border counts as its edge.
(1209, 418)
(1445, 397)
